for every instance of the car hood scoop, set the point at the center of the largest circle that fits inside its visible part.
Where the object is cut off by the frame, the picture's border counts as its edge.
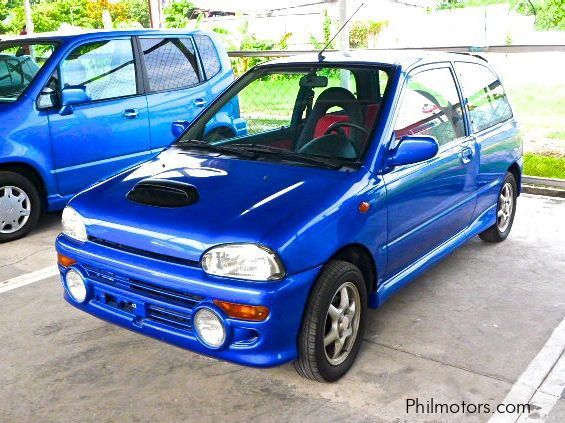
(163, 193)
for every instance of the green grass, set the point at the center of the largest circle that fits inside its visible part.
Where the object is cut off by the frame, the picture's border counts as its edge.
(540, 108)
(544, 166)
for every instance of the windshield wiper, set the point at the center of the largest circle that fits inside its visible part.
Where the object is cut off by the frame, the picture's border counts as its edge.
(201, 145)
(258, 148)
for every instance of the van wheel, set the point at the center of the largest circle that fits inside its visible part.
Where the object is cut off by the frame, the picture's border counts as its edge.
(19, 206)
(505, 211)
(334, 322)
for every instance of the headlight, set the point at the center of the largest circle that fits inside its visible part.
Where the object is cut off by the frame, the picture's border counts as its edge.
(73, 225)
(75, 285)
(245, 261)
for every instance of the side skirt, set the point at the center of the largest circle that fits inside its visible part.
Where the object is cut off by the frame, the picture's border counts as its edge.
(391, 285)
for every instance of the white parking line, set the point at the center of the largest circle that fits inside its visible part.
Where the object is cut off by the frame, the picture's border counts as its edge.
(28, 278)
(542, 384)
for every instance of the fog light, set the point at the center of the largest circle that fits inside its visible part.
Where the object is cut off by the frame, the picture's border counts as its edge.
(75, 285)
(209, 328)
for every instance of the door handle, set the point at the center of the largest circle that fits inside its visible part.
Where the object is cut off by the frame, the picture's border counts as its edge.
(199, 102)
(129, 113)
(466, 154)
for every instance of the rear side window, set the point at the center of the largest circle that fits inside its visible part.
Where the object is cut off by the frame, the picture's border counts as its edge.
(170, 63)
(486, 99)
(431, 106)
(209, 55)
(106, 68)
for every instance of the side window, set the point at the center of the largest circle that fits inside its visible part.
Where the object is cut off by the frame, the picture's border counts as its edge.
(170, 63)
(431, 106)
(486, 98)
(106, 68)
(209, 55)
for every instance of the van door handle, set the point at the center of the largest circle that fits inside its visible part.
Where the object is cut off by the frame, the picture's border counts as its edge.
(199, 102)
(129, 113)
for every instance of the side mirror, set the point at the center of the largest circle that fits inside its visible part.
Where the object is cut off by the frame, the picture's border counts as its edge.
(71, 95)
(178, 127)
(413, 149)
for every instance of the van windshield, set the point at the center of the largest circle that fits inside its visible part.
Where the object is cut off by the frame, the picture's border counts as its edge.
(305, 114)
(20, 62)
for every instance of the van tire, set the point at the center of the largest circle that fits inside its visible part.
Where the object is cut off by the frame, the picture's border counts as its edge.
(496, 233)
(23, 186)
(313, 359)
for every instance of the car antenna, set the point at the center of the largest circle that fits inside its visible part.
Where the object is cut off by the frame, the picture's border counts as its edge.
(321, 56)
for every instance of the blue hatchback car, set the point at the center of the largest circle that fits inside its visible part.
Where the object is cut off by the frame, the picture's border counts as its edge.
(76, 109)
(354, 175)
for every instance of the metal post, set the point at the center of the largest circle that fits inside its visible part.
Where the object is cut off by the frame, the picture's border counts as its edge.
(29, 20)
(155, 13)
(344, 40)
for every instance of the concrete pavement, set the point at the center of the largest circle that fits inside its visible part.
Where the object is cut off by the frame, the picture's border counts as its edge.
(464, 331)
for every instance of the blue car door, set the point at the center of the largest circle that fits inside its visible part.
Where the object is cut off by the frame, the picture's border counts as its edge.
(107, 133)
(176, 89)
(432, 201)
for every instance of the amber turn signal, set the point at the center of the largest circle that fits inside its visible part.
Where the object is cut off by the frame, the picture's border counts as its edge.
(64, 260)
(243, 311)
(364, 207)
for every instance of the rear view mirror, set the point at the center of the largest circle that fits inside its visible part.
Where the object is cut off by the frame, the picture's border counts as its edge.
(71, 95)
(178, 127)
(313, 81)
(413, 149)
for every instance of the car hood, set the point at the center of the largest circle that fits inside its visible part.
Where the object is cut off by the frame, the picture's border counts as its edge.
(238, 201)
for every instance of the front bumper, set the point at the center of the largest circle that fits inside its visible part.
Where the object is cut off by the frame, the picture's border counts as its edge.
(157, 298)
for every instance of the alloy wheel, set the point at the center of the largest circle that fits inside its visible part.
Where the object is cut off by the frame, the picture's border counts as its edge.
(505, 207)
(342, 323)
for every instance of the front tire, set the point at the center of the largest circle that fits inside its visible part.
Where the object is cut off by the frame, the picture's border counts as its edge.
(505, 211)
(20, 206)
(334, 323)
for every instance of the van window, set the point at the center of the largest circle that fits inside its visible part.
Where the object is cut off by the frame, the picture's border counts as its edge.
(209, 56)
(431, 106)
(170, 63)
(486, 99)
(106, 68)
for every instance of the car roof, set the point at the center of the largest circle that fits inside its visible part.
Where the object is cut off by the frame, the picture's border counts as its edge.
(403, 58)
(88, 33)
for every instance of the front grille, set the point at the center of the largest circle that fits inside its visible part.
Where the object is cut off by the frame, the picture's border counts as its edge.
(146, 289)
(169, 317)
(143, 253)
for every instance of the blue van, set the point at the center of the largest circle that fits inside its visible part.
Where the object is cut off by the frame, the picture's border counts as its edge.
(357, 173)
(76, 109)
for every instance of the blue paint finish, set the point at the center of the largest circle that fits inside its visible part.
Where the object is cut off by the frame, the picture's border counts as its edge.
(418, 213)
(73, 147)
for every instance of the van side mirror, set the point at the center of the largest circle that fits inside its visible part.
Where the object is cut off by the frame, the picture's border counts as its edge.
(71, 95)
(178, 127)
(413, 149)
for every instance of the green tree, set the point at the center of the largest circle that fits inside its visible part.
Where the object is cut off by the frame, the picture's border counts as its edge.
(551, 15)
(177, 14)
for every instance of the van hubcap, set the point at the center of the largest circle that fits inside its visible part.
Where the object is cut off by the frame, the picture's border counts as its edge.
(505, 207)
(15, 209)
(342, 323)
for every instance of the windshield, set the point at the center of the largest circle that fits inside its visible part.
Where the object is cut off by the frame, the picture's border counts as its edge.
(19, 63)
(315, 115)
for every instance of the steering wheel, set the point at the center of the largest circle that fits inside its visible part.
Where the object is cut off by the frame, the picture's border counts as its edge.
(336, 126)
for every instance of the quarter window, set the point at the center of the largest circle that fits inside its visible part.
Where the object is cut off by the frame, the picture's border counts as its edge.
(209, 55)
(431, 106)
(486, 99)
(106, 68)
(170, 63)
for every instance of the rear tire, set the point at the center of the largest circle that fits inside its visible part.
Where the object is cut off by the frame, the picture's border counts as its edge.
(505, 211)
(20, 206)
(334, 323)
